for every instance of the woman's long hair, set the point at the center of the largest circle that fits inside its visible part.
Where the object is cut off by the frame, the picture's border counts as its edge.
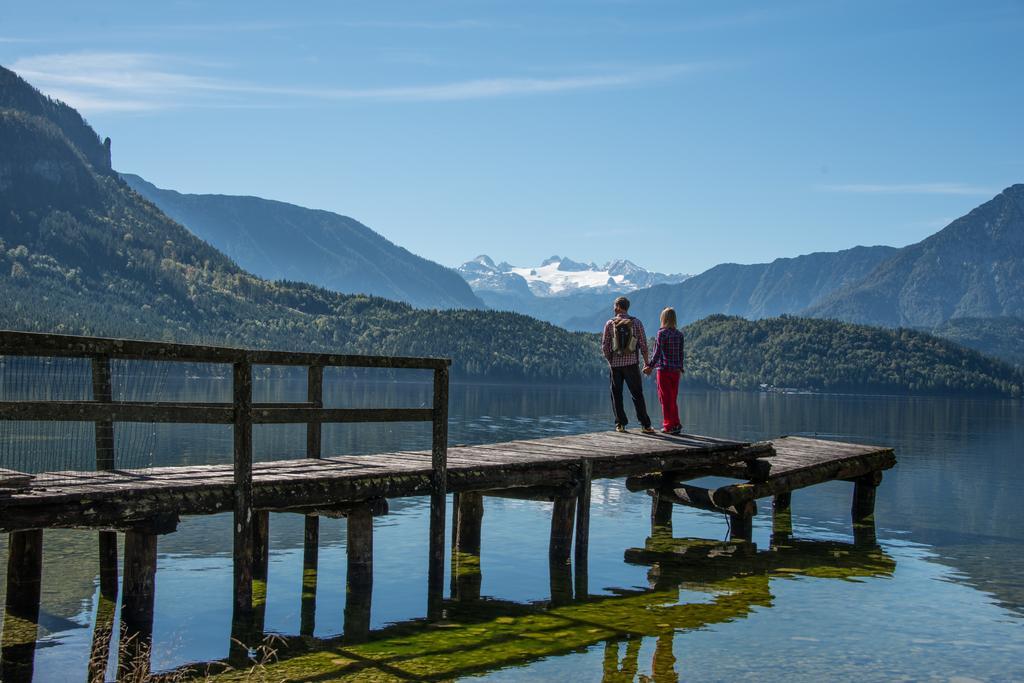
(668, 318)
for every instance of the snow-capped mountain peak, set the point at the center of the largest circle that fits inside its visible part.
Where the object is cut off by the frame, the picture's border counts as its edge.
(560, 276)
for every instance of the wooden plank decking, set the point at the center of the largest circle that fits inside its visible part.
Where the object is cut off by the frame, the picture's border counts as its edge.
(119, 498)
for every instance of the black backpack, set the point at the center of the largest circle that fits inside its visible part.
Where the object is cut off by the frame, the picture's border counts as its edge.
(623, 339)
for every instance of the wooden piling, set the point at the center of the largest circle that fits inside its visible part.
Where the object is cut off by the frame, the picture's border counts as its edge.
(864, 488)
(137, 599)
(310, 560)
(560, 548)
(741, 522)
(438, 494)
(359, 581)
(243, 536)
(21, 614)
(311, 535)
(468, 520)
(467, 523)
(260, 566)
(563, 513)
(106, 608)
(581, 558)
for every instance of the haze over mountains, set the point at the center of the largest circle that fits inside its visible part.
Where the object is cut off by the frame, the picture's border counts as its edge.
(281, 241)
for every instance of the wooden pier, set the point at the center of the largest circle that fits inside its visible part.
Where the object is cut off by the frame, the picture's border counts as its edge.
(145, 503)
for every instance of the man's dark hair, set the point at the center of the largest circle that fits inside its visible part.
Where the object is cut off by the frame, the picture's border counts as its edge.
(623, 303)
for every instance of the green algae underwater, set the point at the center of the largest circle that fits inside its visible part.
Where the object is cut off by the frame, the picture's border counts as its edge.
(694, 583)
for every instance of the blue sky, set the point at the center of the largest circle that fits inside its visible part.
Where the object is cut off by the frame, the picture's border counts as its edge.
(677, 134)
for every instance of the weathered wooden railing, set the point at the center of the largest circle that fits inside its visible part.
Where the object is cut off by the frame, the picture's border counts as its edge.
(243, 413)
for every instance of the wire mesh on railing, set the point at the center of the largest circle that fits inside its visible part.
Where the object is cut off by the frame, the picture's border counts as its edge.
(38, 446)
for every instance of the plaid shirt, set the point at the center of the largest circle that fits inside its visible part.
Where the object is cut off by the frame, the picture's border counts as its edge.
(625, 359)
(668, 349)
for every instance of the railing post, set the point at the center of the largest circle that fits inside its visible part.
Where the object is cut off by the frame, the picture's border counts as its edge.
(439, 489)
(103, 392)
(241, 622)
(311, 537)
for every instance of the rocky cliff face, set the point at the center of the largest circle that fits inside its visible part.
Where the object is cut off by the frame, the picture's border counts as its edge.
(16, 94)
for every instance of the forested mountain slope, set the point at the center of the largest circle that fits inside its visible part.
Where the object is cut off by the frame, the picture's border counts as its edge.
(832, 356)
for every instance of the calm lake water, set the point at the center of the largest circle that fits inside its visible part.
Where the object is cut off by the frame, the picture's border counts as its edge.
(941, 598)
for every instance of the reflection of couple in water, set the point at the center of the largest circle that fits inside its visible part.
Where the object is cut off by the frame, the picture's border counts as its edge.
(622, 343)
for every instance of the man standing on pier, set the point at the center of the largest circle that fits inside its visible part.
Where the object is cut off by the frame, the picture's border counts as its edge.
(623, 341)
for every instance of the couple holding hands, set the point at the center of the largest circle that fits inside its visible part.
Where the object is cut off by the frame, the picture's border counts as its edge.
(622, 343)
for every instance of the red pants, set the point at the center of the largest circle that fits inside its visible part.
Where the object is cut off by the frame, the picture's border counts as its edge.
(668, 389)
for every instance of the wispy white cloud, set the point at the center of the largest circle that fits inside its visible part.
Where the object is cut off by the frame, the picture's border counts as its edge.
(118, 81)
(912, 188)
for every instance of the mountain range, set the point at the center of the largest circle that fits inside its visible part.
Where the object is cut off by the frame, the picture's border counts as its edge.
(759, 290)
(971, 270)
(81, 252)
(281, 241)
(557, 289)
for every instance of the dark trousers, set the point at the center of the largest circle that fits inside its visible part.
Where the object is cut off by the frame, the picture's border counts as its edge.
(631, 376)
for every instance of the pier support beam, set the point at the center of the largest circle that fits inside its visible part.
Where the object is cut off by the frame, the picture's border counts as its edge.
(106, 608)
(241, 618)
(560, 549)
(438, 496)
(359, 581)
(581, 559)
(21, 615)
(137, 598)
(260, 567)
(311, 534)
(467, 522)
(310, 562)
(741, 522)
(864, 488)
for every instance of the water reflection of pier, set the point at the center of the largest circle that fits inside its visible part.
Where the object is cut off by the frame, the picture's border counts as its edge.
(481, 634)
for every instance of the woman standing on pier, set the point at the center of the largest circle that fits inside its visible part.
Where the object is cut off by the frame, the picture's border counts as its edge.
(667, 359)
